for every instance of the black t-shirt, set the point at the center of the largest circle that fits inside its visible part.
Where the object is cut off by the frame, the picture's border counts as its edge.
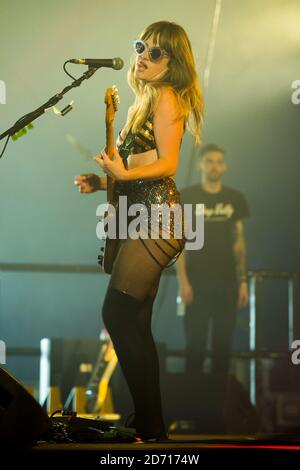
(215, 260)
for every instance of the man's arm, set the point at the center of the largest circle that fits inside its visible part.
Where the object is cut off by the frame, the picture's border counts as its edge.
(181, 268)
(185, 287)
(240, 252)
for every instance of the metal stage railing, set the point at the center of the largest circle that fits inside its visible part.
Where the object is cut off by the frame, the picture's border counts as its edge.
(256, 352)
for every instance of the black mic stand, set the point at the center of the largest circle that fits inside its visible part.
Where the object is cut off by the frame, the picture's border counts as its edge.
(28, 118)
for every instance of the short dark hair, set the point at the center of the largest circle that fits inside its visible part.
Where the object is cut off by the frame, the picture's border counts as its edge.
(210, 148)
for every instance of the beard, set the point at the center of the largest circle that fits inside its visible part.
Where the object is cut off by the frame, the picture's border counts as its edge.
(213, 178)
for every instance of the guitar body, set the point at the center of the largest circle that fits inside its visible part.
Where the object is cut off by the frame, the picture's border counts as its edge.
(106, 259)
(109, 255)
(110, 249)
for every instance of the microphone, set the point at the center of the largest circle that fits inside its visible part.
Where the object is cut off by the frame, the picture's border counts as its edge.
(116, 63)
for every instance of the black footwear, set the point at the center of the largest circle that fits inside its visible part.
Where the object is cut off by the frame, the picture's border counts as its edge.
(159, 438)
(130, 421)
(156, 439)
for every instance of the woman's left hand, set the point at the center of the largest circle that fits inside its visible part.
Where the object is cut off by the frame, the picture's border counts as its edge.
(113, 168)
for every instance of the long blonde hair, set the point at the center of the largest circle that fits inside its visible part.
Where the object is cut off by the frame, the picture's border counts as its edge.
(181, 76)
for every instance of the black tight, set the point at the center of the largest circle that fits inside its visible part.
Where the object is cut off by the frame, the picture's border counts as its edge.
(127, 314)
(139, 263)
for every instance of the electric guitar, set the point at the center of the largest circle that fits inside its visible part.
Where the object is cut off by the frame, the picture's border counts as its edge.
(106, 259)
(98, 385)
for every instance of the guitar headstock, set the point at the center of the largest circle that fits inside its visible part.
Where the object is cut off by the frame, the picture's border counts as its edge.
(112, 101)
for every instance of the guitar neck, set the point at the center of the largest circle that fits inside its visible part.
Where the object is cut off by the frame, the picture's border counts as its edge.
(111, 100)
(110, 151)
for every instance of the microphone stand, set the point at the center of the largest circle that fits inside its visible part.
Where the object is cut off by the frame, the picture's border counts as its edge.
(28, 118)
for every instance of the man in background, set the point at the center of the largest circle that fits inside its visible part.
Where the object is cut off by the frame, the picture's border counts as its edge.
(213, 280)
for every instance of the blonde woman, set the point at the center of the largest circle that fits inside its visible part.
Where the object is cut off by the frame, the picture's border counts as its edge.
(168, 100)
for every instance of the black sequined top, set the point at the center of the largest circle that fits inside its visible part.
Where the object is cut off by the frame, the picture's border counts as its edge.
(137, 142)
(147, 192)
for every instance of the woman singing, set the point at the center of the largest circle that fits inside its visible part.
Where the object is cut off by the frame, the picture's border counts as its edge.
(167, 98)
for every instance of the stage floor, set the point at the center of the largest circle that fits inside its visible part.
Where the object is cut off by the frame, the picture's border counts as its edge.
(188, 449)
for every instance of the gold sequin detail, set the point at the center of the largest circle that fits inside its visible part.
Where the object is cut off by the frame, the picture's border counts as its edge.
(146, 134)
(149, 124)
(149, 192)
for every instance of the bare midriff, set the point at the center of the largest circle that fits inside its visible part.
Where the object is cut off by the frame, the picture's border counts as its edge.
(141, 159)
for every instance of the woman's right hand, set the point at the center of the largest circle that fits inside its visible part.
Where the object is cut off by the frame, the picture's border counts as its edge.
(88, 183)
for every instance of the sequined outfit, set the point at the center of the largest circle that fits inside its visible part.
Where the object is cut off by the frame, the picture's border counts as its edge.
(151, 192)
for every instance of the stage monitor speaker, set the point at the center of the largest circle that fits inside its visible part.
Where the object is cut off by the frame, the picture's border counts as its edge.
(22, 420)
